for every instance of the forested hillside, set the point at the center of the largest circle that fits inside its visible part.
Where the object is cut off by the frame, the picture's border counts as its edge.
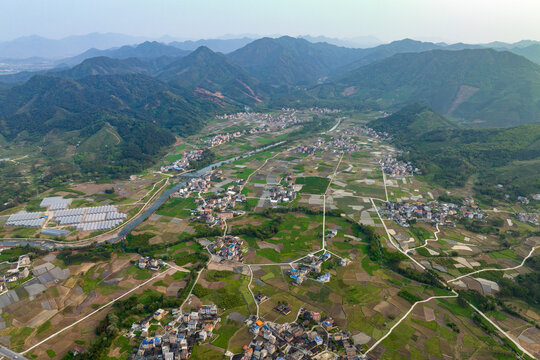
(449, 156)
(479, 87)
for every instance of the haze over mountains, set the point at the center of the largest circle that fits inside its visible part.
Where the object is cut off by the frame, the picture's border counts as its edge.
(166, 91)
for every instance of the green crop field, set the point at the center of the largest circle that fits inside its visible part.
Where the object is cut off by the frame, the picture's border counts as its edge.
(313, 184)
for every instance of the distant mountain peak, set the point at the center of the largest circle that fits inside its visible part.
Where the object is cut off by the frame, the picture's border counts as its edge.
(202, 50)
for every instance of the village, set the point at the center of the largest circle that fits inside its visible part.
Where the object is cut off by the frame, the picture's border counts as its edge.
(179, 335)
(311, 267)
(396, 168)
(311, 334)
(372, 134)
(227, 137)
(533, 218)
(229, 248)
(282, 191)
(214, 210)
(338, 144)
(188, 157)
(433, 212)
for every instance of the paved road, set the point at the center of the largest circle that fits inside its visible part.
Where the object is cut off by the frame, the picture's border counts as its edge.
(6, 353)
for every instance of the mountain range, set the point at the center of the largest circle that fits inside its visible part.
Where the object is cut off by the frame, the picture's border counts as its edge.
(145, 50)
(291, 61)
(37, 46)
(167, 91)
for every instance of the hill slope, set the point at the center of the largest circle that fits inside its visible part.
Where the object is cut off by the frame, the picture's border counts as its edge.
(531, 52)
(412, 120)
(449, 156)
(483, 87)
(46, 102)
(112, 124)
(213, 76)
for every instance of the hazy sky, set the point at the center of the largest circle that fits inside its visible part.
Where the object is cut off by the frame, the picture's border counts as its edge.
(447, 20)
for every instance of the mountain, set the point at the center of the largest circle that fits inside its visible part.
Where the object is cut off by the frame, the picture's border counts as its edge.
(356, 42)
(105, 66)
(480, 87)
(219, 45)
(30, 46)
(291, 61)
(384, 51)
(146, 50)
(503, 45)
(5, 86)
(48, 102)
(112, 125)
(213, 76)
(449, 156)
(531, 52)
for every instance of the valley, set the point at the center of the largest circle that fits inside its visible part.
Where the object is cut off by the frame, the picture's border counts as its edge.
(385, 285)
(272, 199)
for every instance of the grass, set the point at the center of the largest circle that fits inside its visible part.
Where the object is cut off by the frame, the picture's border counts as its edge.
(272, 273)
(433, 347)
(270, 254)
(410, 297)
(138, 274)
(244, 173)
(44, 327)
(18, 336)
(420, 233)
(177, 207)
(173, 157)
(504, 254)
(51, 353)
(179, 275)
(89, 283)
(225, 332)
(160, 283)
(123, 343)
(342, 245)
(313, 184)
(23, 232)
(369, 266)
(297, 235)
(201, 352)
(399, 338)
(12, 254)
(367, 190)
